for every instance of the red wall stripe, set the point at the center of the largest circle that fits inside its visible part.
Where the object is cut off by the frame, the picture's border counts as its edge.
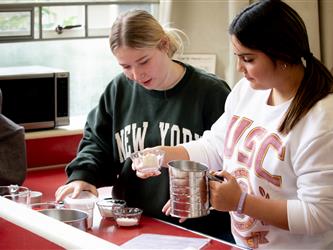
(51, 150)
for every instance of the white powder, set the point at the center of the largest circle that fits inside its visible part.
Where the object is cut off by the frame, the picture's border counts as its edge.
(107, 212)
(127, 222)
(150, 161)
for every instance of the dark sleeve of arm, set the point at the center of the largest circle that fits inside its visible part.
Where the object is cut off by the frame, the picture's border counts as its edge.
(214, 106)
(13, 164)
(94, 162)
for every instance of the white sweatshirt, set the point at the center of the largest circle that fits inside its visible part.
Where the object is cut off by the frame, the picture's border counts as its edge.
(297, 167)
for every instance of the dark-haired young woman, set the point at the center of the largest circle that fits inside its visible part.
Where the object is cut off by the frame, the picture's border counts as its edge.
(275, 139)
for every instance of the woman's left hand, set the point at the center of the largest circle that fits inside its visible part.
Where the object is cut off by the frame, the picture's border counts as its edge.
(145, 175)
(167, 210)
(225, 196)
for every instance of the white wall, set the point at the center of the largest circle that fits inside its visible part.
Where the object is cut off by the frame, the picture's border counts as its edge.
(206, 23)
(326, 25)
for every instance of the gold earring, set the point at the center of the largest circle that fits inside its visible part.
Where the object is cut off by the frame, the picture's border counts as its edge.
(284, 66)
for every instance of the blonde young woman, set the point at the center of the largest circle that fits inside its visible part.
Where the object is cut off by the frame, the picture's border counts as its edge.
(156, 100)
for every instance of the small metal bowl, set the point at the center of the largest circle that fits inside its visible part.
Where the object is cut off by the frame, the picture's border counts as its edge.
(107, 205)
(45, 205)
(73, 217)
(127, 216)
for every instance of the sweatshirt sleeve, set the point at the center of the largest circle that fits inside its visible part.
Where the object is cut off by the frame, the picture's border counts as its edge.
(13, 165)
(214, 105)
(312, 212)
(94, 162)
(206, 149)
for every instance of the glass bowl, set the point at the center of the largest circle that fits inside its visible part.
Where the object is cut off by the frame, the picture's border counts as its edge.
(148, 160)
(127, 216)
(107, 205)
(16, 193)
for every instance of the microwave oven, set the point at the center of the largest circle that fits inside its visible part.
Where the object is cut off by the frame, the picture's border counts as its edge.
(35, 97)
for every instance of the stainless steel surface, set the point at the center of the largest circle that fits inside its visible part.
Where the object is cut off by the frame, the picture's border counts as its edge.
(189, 193)
(75, 218)
(45, 205)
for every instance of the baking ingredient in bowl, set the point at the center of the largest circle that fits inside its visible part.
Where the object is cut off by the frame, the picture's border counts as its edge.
(107, 212)
(150, 161)
(127, 222)
(107, 205)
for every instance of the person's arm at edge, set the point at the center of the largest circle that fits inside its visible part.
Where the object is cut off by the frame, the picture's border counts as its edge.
(272, 212)
(263, 209)
(174, 153)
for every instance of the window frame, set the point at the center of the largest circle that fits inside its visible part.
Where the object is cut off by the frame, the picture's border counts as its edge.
(32, 26)
(31, 6)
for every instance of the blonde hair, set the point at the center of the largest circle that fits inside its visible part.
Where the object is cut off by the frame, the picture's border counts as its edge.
(139, 29)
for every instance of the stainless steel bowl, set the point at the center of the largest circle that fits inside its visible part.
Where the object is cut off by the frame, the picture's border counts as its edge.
(45, 205)
(73, 217)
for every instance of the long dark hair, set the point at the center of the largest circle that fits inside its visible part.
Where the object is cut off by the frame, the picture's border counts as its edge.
(276, 29)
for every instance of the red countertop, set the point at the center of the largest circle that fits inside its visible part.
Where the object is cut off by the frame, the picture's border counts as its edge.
(47, 181)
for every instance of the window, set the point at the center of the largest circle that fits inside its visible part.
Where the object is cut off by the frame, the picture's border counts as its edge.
(63, 22)
(29, 35)
(54, 19)
(16, 24)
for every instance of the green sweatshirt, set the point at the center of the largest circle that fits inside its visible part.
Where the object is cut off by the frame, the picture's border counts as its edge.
(129, 118)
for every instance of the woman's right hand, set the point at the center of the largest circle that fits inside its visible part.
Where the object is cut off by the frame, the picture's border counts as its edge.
(74, 187)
